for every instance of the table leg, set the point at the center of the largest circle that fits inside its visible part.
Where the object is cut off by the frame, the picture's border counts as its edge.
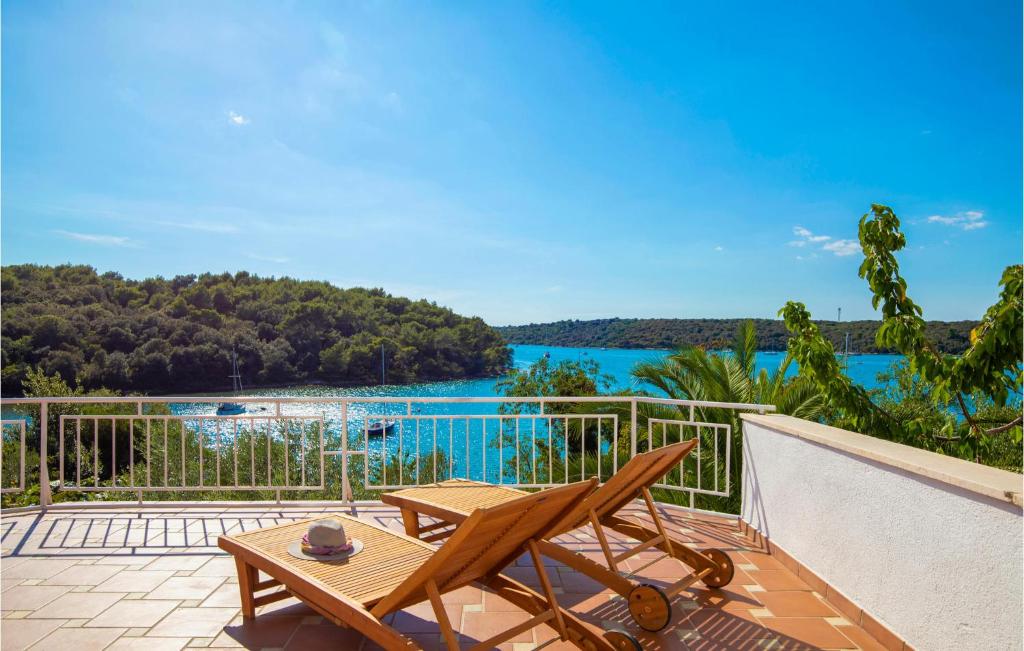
(247, 575)
(411, 522)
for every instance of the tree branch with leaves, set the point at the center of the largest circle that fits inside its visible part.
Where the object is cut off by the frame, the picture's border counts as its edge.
(990, 369)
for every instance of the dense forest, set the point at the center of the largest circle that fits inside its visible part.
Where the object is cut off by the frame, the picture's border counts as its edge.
(949, 336)
(165, 336)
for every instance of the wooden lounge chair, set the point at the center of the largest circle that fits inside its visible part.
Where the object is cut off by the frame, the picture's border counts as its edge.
(450, 502)
(394, 571)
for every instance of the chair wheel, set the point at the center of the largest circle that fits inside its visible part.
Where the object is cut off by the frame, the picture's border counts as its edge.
(649, 607)
(723, 575)
(622, 640)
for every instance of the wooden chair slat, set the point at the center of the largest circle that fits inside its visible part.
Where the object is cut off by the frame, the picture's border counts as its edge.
(385, 557)
(489, 538)
(394, 570)
(452, 502)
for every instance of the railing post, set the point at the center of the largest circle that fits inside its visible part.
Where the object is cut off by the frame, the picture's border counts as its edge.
(346, 487)
(45, 498)
(632, 428)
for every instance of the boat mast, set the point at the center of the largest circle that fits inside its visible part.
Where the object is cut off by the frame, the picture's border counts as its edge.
(846, 349)
(236, 379)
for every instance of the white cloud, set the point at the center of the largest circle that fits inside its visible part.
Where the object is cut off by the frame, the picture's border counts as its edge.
(554, 289)
(970, 220)
(268, 258)
(237, 118)
(105, 240)
(806, 237)
(719, 248)
(842, 248)
(206, 227)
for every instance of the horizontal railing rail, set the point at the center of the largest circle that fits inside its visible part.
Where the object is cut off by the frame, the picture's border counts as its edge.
(85, 400)
(298, 444)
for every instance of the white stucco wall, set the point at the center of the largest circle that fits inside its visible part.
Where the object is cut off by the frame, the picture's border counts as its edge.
(938, 564)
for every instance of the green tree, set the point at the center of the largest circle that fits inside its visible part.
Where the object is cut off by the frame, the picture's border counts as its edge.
(986, 376)
(567, 378)
(909, 399)
(176, 335)
(695, 373)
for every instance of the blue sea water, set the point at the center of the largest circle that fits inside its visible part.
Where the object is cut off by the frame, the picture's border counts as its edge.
(616, 362)
(465, 441)
(469, 443)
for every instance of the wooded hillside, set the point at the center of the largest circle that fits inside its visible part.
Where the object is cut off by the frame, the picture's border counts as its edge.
(950, 336)
(168, 336)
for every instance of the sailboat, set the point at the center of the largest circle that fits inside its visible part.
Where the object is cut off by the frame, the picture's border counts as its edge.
(379, 427)
(233, 408)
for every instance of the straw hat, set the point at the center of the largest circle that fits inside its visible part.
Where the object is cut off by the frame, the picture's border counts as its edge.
(325, 541)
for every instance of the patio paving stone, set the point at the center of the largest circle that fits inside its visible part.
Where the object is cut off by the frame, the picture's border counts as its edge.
(140, 613)
(172, 588)
(20, 634)
(186, 587)
(796, 603)
(83, 575)
(77, 605)
(194, 622)
(78, 638)
(133, 581)
(36, 568)
(31, 597)
(149, 644)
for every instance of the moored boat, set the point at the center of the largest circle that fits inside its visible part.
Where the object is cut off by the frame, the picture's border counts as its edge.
(379, 427)
(233, 408)
(230, 409)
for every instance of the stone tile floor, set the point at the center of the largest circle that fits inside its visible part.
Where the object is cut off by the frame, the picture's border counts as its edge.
(151, 578)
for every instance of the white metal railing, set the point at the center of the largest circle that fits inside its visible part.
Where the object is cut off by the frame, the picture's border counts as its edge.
(191, 449)
(689, 477)
(5, 454)
(295, 443)
(555, 446)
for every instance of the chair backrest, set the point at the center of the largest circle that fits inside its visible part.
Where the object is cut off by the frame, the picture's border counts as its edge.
(487, 541)
(642, 471)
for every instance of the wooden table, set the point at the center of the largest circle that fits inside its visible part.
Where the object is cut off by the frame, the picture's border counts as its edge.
(386, 560)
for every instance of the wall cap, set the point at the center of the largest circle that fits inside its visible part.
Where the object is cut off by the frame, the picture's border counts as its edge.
(984, 480)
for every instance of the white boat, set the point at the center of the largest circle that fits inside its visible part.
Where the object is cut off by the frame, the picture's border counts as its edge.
(233, 408)
(378, 427)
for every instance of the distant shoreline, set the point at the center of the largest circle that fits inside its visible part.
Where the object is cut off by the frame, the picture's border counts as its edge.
(669, 350)
(952, 337)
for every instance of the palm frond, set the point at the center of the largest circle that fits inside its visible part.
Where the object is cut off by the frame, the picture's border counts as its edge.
(744, 347)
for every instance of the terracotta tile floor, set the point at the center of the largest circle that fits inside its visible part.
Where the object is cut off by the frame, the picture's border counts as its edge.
(153, 579)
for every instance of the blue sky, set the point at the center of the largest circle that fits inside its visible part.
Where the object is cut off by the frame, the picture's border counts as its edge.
(521, 161)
